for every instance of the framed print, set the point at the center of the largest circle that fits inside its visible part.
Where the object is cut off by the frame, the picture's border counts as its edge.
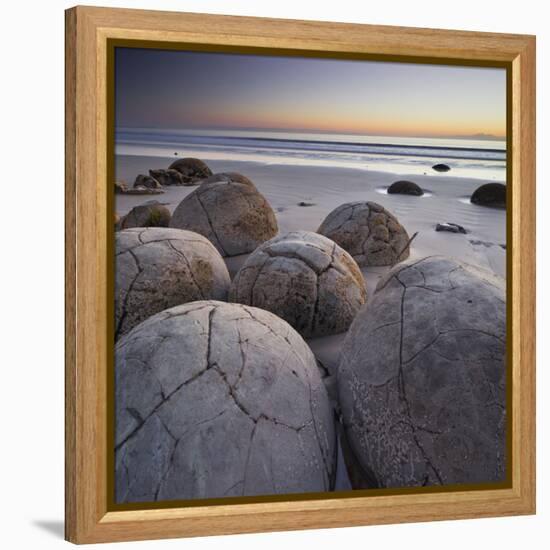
(300, 274)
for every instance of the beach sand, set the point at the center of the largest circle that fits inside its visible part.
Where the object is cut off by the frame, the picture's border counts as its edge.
(446, 199)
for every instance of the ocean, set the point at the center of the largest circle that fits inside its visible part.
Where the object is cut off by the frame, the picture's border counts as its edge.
(474, 158)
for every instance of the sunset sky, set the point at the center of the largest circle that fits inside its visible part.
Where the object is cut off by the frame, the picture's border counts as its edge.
(178, 90)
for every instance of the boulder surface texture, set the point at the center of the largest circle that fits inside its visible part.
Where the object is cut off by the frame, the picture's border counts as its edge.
(157, 268)
(368, 232)
(304, 278)
(218, 400)
(230, 212)
(422, 379)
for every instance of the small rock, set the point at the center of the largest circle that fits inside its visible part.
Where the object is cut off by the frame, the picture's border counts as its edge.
(304, 203)
(120, 187)
(441, 167)
(450, 227)
(147, 181)
(167, 177)
(404, 187)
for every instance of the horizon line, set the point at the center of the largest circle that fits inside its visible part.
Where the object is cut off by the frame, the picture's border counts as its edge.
(479, 136)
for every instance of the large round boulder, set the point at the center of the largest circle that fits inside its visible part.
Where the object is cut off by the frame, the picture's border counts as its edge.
(149, 214)
(157, 268)
(228, 211)
(405, 187)
(422, 378)
(370, 233)
(490, 194)
(304, 278)
(218, 400)
(191, 169)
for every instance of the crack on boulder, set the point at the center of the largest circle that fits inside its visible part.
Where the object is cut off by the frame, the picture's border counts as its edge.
(191, 274)
(129, 290)
(177, 442)
(152, 241)
(167, 397)
(314, 319)
(403, 395)
(210, 223)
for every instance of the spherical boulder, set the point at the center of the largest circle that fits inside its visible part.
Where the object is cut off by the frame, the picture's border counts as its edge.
(370, 233)
(191, 169)
(490, 194)
(304, 278)
(422, 378)
(441, 167)
(229, 212)
(149, 214)
(167, 177)
(404, 187)
(216, 400)
(157, 268)
(146, 181)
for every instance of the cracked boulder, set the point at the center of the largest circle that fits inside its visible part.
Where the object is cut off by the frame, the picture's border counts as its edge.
(368, 232)
(422, 379)
(149, 214)
(228, 211)
(218, 400)
(304, 278)
(192, 170)
(157, 268)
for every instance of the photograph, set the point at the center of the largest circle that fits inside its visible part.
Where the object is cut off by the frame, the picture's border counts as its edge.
(310, 275)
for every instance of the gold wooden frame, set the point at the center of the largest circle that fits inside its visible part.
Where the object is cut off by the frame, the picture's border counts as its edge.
(88, 32)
